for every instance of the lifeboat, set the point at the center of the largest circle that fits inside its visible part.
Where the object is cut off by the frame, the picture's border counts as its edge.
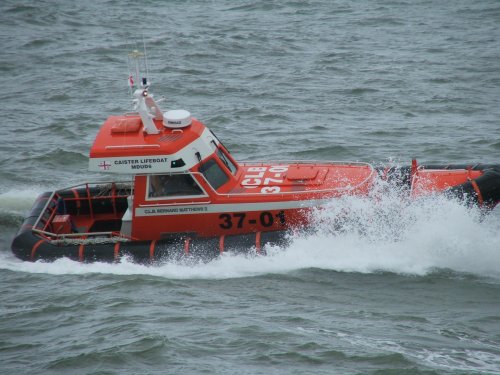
(180, 193)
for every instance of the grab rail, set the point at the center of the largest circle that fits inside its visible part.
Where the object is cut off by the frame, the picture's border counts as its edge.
(55, 196)
(294, 193)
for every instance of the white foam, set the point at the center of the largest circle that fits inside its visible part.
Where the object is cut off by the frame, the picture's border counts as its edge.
(19, 200)
(383, 234)
(450, 358)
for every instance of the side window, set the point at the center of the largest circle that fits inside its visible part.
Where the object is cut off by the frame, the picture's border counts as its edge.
(214, 174)
(172, 185)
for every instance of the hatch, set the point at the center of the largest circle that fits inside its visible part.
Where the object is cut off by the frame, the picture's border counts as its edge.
(302, 173)
(126, 125)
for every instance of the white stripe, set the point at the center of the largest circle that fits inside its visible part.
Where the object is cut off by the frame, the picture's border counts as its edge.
(133, 164)
(220, 208)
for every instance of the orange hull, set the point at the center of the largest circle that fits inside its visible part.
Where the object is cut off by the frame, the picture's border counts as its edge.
(187, 186)
(63, 223)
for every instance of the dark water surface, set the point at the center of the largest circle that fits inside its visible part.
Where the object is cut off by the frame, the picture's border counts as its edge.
(418, 292)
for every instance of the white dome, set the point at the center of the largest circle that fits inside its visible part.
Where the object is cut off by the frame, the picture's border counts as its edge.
(176, 118)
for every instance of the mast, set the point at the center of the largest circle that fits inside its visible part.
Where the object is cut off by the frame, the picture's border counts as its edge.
(144, 103)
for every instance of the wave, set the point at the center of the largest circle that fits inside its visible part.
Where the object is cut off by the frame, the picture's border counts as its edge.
(18, 200)
(351, 234)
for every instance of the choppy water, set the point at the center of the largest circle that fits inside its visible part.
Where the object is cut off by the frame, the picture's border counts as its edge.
(402, 289)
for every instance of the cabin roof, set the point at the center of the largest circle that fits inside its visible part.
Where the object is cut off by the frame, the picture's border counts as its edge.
(122, 146)
(122, 136)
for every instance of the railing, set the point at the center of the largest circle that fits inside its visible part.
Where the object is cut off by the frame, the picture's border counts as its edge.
(50, 210)
(295, 193)
(128, 186)
(212, 192)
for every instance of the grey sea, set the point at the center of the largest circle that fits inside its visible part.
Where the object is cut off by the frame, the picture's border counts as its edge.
(417, 291)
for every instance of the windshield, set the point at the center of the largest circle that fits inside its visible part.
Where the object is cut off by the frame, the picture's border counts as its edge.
(227, 162)
(214, 174)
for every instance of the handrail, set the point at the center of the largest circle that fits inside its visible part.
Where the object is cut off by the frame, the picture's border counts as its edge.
(129, 185)
(44, 209)
(131, 146)
(87, 186)
(91, 210)
(51, 217)
(96, 183)
(287, 193)
(63, 235)
(311, 162)
(83, 237)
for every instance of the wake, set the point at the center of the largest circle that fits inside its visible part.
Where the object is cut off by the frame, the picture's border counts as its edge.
(350, 234)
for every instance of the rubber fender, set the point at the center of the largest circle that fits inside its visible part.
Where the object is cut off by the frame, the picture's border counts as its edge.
(485, 193)
(489, 186)
(23, 243)
(29, 246)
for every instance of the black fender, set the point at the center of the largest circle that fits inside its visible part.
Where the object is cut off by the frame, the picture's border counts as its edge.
(484, 191)
(30, 246)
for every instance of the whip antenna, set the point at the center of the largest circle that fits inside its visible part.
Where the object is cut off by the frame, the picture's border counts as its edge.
(145, 57)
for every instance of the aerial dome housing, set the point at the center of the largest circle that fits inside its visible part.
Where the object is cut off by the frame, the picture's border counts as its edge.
(176, 118)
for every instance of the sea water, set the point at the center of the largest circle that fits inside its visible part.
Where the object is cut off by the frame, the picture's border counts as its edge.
(385, 285)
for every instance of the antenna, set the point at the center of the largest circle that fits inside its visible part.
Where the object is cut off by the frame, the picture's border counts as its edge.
(135, 55)
(144, 104)
(137, 64)
(130, 80)
(145, 57)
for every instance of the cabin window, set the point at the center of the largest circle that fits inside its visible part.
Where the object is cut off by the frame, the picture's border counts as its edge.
(172, 185)
(214, 174)
(226, 160)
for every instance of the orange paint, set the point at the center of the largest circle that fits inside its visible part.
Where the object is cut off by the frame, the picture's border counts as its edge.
(478, 192)
(34, 248)
(257, 242)
(80, 252)
(116, 250)
(152, 249)
(221, 244)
